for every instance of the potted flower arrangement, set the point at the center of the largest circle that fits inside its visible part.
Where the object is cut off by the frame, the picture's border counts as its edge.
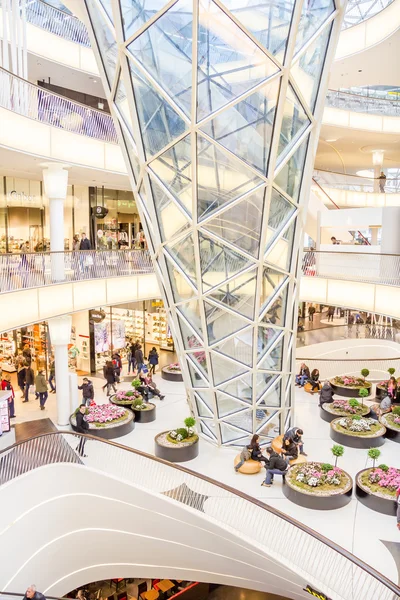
(125, 398)
(357, 431)
(106, 420)
(172, 372)
(346, 385)
(178, 445)
(376, 487)
(391, 421)
(343, 408)
(317, 485)
(145, 412)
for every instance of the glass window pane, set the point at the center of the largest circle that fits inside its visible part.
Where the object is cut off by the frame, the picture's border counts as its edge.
(239, 294)
(295, 122)
(105, 40)
(280, 211)
(290, 176)
(136, 13)
(218, 262)
(313, 14)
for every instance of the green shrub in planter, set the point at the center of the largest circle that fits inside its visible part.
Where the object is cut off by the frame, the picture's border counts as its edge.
(363, 393)
(374, 454)
(391, 371)
(326, 467)
(396, 411)
(183, 432)
(365, 373)
(383, 467)
(353, 402)
(337, 451)
(136, 383)
(137, 403)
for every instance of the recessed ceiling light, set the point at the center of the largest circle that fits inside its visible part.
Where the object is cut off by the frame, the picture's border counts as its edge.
(332, 140)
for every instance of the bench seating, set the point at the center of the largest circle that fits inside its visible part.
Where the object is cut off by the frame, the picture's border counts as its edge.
(250, 467)
(277, 446)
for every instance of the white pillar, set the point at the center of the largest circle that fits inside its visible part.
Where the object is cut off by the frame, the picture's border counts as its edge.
(55, 178)
(60, 335)
(374, 236)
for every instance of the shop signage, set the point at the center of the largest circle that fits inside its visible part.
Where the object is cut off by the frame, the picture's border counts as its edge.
(157, 304)
(20, 198)
(316, 594)
(100, 212)
(97, 316)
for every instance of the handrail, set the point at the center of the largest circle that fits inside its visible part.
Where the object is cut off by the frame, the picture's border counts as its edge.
(366, 360)
(21, 595)
(377, 585)
(57, 21)
(48, 107)
(363, 104)
(25, 271)
(372, 8)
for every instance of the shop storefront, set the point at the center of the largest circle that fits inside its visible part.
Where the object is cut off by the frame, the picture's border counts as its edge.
(32, 340)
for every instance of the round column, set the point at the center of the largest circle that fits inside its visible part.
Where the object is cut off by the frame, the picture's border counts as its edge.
(60, 335)
(55, 178)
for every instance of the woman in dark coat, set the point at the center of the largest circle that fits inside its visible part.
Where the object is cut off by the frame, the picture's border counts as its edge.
(326, 394)
(314, 380)
(109, 375)
(254, 447)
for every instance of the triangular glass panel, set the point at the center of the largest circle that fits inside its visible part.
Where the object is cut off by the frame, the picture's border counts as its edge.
(313, 15)
(227, 405)
(159, 123)
(246, 128)
(267, 422)
(164, 49)
(182, 251)
(272, 281)
(105, 40)
(199, 359)
(174, 169)
(208, 429)
(218, 262)
(281, 255)
(242, 420)
(181, 289)
(241, 224)
(266, 337)
(280, 211)
(106, 4)
(239, 388)
(295, 122)
(238, 294)
(190, 340)
(205, 395)
(133, 156)
(171, 220)
(220, 178)
(268, 390)
(263, 383)
(197, 380)
(202, 408)
(275, 314)
(229, 62)
(136, 13)
(272, 361)
(221, 323)
(306, 72)
(269, 21)
(238, 347)
(224, 369)
(122, 104)
(191, 311)
(290, 177)
(230, 434)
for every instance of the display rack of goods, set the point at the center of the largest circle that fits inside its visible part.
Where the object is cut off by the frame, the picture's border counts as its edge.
(392, 423)
(125, 398)
(343, 408)
(178, 445)
(348, 385)
(172, 372)
(358, 432)
(107, 420)
(376, 488)
(319, 486)
(145, 412)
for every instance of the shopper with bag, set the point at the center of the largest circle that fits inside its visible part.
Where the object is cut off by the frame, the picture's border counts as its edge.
(41, 388)
(117, 364)
(29, 380)
(109, 375)
(6, 385)
(153, 360)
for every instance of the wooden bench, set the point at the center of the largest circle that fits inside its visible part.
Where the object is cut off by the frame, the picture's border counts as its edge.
(277, 447)
(249, 467)
(308, 388)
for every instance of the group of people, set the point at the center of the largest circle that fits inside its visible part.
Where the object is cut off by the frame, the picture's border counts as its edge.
(304, 376)
(274, 463)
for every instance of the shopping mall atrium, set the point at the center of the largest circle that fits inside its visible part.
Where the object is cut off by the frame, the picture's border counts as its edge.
(200, 299)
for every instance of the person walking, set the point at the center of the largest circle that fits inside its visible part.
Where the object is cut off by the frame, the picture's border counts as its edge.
(139, 358)
(29, 380)
(153, 360)
(117, 364)
(331, 312)
(41, 388)
(21, 373)
(85, 243)
(109, 374)
(311, 312)
(6, 385)
(87, 391)
(76, 243)
(52, 376)
(82, 426)
(382, 182)
(130, 357)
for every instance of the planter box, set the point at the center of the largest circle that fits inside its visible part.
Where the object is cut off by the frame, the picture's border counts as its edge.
(328, 417)
(145, 416)
(318, 502)
(355, 441)
(178, 454)
(391, 433)
(385, 506)
(347, 392)
(111, 432)
(171, 375)
(380, 393)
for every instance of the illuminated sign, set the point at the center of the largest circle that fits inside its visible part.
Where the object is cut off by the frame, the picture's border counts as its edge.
(315, 594)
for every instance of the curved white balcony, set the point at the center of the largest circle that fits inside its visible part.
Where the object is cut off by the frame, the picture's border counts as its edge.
(354, 191)
(44, 285)
(361, 112)
(190, 527)
(374, 279)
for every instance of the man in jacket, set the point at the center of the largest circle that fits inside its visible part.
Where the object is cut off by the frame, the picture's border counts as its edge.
(32, 594)
(52, 376)
(275, 465)
(85, 243)
(41, 388)
(326, 394)
(294, 435)
(87, 391)
(82, 426)
(139, 358)
(303, 375)
(29, 380)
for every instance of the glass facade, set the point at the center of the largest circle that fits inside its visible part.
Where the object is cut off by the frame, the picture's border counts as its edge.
(215, 105)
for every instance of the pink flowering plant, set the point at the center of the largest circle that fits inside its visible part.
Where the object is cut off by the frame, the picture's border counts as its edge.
(317, 475)
(383, 480)
(392, 420)
(126, 397)
(174, 367)
(102, 415)
(348, 407)
(350, 381)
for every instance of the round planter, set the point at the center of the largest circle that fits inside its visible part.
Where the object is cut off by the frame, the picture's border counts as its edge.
(110, 431)
(380, 393)
(318, 501)
(356, 441)
(347, 392)
(145, 416)
(391, 432)
(385, 506)
(179, 454)
(328, 416)
(171, 375)
(114, 401)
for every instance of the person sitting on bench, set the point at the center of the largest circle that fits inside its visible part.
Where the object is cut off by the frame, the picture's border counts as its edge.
(148, 385)
(294, 434)
(314, 381)
(290, 450)
(275, 465)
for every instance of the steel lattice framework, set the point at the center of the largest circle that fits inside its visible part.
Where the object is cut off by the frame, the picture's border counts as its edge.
(217, 105)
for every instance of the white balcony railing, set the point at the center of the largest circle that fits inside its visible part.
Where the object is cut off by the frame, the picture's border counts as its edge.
(362, 104)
